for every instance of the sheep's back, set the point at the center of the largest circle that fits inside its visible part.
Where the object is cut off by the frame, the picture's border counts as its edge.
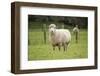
(62, 35)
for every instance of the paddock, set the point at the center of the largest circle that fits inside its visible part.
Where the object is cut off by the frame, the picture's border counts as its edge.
(40, 49)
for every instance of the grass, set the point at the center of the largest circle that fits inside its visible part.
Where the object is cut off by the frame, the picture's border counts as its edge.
(38, 50)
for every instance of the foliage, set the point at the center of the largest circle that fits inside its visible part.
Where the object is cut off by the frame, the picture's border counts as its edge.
(65, 20)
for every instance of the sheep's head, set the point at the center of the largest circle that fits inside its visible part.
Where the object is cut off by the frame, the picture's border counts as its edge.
(52, 26)
(52, 29)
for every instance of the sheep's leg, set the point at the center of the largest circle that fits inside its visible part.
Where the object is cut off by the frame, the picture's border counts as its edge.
(76, 37)
(64, 46)
(53, 47)
(59, 46)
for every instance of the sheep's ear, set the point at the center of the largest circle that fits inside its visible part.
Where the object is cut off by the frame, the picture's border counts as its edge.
(49, 26)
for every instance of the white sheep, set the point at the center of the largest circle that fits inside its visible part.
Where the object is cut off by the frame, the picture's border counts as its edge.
(76, 33)
(59, 37)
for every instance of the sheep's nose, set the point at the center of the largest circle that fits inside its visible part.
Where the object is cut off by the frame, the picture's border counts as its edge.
(52, 31)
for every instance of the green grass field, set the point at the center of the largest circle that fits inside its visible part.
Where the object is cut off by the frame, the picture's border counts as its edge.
(38, 50)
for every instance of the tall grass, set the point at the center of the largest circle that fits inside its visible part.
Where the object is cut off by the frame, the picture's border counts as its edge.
(38, 50)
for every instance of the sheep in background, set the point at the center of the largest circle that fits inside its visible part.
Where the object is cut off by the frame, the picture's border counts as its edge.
(59, 37)
(76, 33)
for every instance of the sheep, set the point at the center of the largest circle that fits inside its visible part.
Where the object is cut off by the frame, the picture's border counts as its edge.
(76, 33)
(59, 37)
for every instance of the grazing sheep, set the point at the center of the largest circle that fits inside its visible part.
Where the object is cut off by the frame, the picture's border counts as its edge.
(76, 33)
(59, 37)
